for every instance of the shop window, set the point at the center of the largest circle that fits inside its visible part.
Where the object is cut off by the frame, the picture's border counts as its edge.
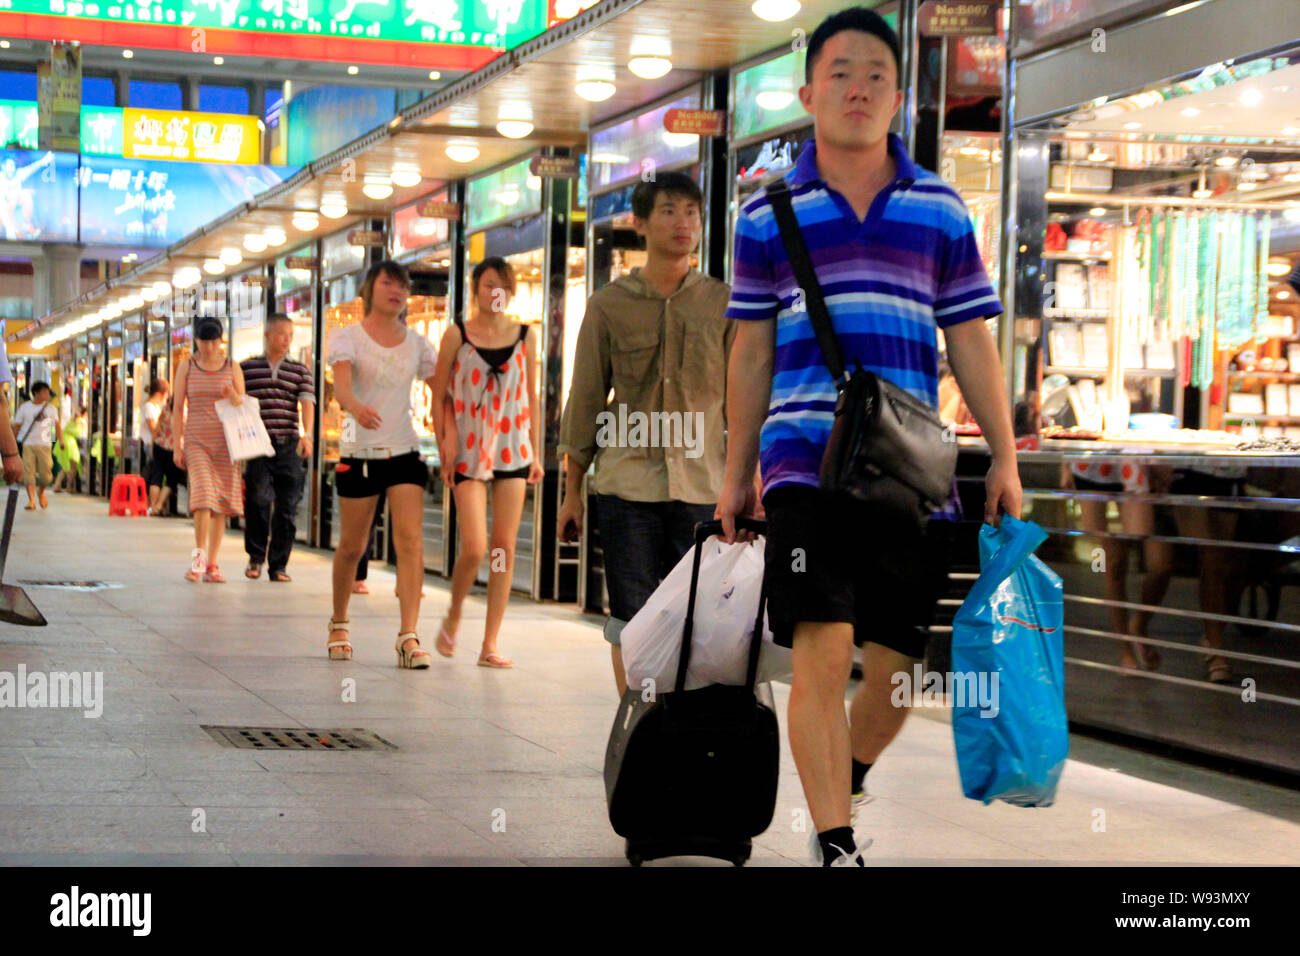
(223, 99)
(146, 94)
(98, 91)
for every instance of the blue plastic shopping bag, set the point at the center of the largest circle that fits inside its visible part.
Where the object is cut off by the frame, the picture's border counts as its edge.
(1012, 744)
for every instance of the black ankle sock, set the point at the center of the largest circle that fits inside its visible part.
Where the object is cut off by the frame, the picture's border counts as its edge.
(835, 843)
(859, 776)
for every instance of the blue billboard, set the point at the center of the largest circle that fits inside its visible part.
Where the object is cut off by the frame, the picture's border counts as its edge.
(326, 117)
(38, 196)
(139, 202)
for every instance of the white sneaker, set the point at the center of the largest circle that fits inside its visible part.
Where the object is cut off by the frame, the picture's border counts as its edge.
(862, 841)
(858, 801)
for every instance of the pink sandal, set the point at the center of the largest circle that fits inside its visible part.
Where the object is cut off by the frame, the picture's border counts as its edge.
(213, 575)
(446, 643)
(495, 660)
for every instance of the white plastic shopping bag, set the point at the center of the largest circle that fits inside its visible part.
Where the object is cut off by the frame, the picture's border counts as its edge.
(726, 603)
(246, 435)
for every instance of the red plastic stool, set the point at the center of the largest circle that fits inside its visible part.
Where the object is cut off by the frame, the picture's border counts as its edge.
(128, 497)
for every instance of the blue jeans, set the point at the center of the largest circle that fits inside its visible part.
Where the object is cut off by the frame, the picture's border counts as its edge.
(642, 541)
(274, 481)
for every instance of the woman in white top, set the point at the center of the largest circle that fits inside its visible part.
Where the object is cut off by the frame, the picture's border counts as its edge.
(375, 363)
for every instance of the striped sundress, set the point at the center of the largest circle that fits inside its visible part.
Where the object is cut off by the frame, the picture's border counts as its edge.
(213, 477)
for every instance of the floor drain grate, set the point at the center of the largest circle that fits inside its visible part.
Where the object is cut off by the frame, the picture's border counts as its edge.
(71, 585)
(297, 738)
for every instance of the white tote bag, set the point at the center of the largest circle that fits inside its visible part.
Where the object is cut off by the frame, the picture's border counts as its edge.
(246, 435)
(726, 603)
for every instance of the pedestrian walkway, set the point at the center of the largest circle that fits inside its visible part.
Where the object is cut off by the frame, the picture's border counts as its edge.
(491, 767)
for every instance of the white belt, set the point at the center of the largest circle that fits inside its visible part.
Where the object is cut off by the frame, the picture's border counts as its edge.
(380, 452)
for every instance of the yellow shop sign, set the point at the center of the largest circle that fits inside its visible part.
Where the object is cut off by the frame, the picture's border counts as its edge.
(199, 137)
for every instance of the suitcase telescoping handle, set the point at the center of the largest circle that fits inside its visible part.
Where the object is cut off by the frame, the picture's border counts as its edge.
(703, 531)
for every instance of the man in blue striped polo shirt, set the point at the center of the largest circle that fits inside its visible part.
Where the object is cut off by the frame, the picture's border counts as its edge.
(895, 256)
(281, 387)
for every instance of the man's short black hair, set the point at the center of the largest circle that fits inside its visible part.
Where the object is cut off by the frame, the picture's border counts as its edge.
(39, 386)
(854, 18)
(275, 317)
(672, 184)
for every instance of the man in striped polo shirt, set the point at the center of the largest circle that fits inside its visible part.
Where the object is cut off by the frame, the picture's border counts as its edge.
(895, 256)
(281, 386)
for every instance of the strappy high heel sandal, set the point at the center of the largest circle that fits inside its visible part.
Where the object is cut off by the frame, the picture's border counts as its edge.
(339, 650)
(414, 659)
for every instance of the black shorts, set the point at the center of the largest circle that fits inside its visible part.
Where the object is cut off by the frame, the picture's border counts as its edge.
(883, 578)
(1200, 483)
(162, 467)
(497, 475)
(367, 477)
(1087, 484)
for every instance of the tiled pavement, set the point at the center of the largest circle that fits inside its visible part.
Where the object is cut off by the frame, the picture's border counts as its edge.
(493, 767)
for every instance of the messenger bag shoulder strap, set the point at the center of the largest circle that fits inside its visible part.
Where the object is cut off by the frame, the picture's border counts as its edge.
(32, 424)
(778, 194)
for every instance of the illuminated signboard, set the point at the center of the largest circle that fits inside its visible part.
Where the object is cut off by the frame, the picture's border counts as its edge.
(200, 137)
(636, 147)
(19, 124)
(413, 231)
(455, 34)
(39, 196)
(149, 203)
(101, 130)
(509, 193)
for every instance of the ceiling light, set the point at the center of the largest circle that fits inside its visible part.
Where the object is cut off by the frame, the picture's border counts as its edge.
(377, 190)
(149, 294)
(334, 207)
(435, 75)
(1191, 111)
(773, 100)
(127, 54)
(1133, 125)
(275, 236)
(680, 140)
(1226, 161)
(132, 302)
(1283, 294)
(406, 176)
(1292, 177)
(595, 91)
(255, 243)
(650, 67)
(514, 128)
(162, 288)
(353, 71)
(775, 11)
(214, 267)
(1246, 185)
(1097, 156)
(1202, 193)
(186, 277)
(1291, 131)
(231, 256)
(4, 44)
(305, 221)
(1097, 211)
(461, 152)
(218, 60)
(1278, 267)
(1251, 98)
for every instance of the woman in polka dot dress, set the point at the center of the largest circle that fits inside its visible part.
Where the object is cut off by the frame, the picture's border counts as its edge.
(489, 366)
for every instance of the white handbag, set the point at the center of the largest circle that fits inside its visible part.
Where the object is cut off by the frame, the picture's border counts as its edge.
(246, 434)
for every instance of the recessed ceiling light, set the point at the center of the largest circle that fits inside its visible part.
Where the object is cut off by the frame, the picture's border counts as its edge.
(162, 287)
(1190, 111)
(406, 176)
(127, 54)
(1133, 125)
(334, 207)
(231, 256)
(435, 75)
(353, 71)
(4, 44)
(775, 11)
(1292, 177)
(218, 60)
(1283, 294)
(378, 189)
(1098, 156)
(461, 152)
(275, 236)
(595, 91)
(1226, 161)
(774, 100)
(255, 243)
(650, 67)
(1291, 131)
(1251, 97)
(149, 294)
(214, 267)
(305, 221)
(1202, 193)
(1246, 185)
(514, 128)
(1097, 211)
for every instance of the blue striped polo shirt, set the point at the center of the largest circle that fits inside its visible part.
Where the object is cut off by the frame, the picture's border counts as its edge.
(889, 282)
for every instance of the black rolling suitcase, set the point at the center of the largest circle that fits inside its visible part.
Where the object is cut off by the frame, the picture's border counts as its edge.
(694, 773)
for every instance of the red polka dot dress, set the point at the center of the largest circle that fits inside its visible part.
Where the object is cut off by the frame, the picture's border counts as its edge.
(492, 413)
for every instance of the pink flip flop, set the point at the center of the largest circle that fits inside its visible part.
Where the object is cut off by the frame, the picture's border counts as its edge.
(496, 660)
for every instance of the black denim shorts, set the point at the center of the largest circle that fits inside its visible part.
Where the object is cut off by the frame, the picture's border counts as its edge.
(366, 477)
(831, 559)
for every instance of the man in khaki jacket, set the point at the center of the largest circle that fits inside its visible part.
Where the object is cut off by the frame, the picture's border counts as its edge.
(659, 339)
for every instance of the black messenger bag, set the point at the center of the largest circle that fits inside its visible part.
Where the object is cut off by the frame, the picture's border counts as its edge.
(886, 448)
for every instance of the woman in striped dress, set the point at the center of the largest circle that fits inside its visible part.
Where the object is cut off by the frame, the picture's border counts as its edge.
(215, 488)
